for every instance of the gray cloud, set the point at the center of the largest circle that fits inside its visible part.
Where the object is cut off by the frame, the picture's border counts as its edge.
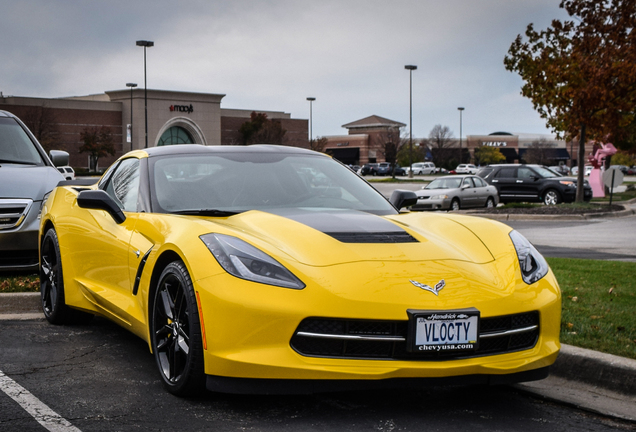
(271, 55)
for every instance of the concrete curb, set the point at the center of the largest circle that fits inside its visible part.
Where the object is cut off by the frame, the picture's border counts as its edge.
(573, 217)
(599, 369)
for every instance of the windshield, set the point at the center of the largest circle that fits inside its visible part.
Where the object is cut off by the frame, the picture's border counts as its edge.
(237, 182)
(15, 144)
(545, 172)
(445, 183)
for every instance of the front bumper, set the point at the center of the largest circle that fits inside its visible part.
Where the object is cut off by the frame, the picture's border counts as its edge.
(19, 245)
(427, 203)
(249, 327)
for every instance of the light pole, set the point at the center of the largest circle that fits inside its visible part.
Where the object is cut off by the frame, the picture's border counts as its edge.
(311, 122)
(460, 133)
(145, 44)
(131, 85)
(410, 68)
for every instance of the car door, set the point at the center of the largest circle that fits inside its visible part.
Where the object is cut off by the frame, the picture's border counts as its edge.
(528, 184)
(468, 193)
(103, 254)
(481, 193)
(505, 180)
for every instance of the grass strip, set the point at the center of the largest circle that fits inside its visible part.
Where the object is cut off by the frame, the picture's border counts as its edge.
(599, 304)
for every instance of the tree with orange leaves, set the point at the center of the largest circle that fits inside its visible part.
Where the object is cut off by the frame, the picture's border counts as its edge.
(581, 73)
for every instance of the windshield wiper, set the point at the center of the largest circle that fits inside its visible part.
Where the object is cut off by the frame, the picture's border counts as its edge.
(206, 212)
(17, 162)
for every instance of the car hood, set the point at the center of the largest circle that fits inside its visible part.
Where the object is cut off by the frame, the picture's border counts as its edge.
(323, 238)
(27, 181)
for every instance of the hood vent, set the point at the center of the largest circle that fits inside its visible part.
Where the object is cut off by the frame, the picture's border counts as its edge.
(373, 237)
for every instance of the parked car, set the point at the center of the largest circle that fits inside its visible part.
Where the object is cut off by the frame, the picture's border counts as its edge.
(532, 183)
(560, 169)
(575, 170)
(67, 172)
(385, 168)
(421, 168)
(455, 192)
(248, 278)
(624, 169)
(27, 175)
(466, 169)
(369, 169)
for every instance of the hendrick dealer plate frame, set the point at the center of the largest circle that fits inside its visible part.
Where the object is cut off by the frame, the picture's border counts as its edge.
(443, 331)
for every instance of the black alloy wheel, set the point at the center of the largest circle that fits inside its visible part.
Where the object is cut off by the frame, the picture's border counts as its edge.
(52, 285)
(51, 282)
(176, 332)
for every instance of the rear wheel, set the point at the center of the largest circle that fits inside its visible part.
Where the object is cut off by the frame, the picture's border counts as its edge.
(490, 202)
(176, 332)
(551, 197)
(455, 205)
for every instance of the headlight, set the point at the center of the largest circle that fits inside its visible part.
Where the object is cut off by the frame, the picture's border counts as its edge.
(244, 261)
(568, 183)
(533, 265)
(437, 197)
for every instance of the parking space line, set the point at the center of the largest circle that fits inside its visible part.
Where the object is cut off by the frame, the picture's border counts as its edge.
(35, 407)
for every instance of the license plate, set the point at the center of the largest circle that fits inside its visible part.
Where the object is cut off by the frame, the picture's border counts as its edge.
(444, 331)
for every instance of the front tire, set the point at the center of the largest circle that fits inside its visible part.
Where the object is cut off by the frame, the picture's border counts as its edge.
(176, 332)
(52, 285)
(551, 197)
(455, 205)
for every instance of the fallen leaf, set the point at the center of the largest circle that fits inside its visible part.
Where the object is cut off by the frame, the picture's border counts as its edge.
(575, 298)
(570, 325)
(610, 290)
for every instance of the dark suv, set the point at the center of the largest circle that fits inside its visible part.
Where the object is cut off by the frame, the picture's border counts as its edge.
(532, 183)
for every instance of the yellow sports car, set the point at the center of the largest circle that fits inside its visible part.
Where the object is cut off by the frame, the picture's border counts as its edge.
(272, 269)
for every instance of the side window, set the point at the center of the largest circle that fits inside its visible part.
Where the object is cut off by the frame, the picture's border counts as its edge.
(506, 173)
(479, 182)
(525, 173)
(123, 184)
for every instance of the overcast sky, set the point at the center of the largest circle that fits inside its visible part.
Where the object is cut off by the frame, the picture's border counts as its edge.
(273, 54)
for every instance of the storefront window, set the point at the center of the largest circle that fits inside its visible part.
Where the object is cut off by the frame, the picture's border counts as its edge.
(175, 135)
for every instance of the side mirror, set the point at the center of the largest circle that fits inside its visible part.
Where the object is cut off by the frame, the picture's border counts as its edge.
(58, 157)
(403, 198)
(100, 200)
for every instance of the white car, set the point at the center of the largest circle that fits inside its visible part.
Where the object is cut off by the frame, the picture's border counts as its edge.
(466, 169)
(67, 172)
(575, 170)
(422, 168)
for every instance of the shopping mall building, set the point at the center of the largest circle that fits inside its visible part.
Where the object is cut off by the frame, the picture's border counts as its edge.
(174, 117)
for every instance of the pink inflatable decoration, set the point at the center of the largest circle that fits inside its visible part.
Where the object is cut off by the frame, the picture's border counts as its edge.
(599, 152)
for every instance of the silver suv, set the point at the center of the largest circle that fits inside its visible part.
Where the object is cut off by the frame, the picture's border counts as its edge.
(27, 175)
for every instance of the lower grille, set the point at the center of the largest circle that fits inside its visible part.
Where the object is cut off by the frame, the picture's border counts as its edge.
(387, 340)
(19, 258)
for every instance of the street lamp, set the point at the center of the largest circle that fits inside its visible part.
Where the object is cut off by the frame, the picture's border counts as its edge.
(311, 122)
(460, 133)
(145, 44)
(131, 85)
(410, 68)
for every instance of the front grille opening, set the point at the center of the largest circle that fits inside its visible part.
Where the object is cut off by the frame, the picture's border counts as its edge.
(323, 337)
